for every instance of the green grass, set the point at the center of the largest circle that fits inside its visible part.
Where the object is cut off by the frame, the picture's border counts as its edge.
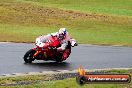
(104, 22)
(109, 7)
(37, 81)
(12, 80)
(94, 34)
(17, 33)
(67, 83)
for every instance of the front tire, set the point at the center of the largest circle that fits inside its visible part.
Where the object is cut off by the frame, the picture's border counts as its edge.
(28, 57)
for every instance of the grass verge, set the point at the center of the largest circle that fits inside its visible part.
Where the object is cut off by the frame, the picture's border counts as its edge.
(117, 35)
(109, 7)
(22, 21)
(49, 81)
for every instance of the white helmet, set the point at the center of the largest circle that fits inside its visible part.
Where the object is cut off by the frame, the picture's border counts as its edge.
(62, 32)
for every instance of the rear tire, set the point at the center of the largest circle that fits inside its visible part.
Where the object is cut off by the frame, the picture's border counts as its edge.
(59, 58)
(28, 57)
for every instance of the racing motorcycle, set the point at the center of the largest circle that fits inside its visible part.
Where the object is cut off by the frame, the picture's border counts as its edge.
(46, 49)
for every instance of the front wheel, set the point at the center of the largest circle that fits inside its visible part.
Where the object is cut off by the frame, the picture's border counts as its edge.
(28, 57)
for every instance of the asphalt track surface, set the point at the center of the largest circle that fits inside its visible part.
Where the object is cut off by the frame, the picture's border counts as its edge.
(89, 56)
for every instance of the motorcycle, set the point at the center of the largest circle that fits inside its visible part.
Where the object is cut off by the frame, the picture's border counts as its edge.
(46, 49)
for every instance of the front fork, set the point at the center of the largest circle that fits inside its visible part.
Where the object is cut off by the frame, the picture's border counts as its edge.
(37, 53)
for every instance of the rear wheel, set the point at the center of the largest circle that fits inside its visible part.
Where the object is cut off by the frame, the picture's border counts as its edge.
(28, 57)
(59, 58)
(58, 61)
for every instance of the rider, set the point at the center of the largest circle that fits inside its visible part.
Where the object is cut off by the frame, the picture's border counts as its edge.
(63, 37)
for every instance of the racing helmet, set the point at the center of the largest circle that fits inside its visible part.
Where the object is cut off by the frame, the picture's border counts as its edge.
(62, 33)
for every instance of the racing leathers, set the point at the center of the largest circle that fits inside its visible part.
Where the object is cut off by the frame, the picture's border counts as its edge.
(64, 43)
